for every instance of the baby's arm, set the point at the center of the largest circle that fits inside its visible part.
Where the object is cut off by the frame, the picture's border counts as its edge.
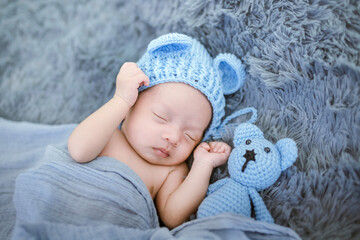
(91, 135)
(178, 198)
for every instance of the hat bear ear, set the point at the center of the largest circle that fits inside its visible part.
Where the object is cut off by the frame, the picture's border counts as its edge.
(246, 131)
(288, 152)
(171, 42)
(231, 72)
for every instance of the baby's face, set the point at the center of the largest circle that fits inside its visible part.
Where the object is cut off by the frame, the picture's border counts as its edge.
(167, 122)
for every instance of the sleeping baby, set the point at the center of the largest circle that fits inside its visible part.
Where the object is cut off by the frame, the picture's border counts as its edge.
(168, 105)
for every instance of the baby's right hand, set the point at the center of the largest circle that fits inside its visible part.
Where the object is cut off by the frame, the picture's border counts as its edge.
(128, 80)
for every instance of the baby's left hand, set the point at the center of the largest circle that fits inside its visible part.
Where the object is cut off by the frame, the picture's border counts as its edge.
(213, 153)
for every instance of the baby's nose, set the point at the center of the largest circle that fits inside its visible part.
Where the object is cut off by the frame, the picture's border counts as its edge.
(172, 136)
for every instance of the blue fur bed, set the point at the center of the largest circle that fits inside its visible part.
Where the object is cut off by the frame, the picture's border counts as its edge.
(59, 60)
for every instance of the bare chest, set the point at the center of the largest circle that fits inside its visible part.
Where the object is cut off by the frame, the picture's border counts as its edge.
(152, 175)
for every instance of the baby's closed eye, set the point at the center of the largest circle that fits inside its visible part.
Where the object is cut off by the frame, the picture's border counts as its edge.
(190, 137)
(160, 117)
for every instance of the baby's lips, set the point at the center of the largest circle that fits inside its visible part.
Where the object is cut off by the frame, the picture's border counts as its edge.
(161, 152)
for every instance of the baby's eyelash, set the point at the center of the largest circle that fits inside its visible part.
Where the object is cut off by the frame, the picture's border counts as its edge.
(193, 139)
(159, 116)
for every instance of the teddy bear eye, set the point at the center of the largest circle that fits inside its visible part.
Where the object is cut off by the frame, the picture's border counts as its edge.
(267, 150)
(248, 142)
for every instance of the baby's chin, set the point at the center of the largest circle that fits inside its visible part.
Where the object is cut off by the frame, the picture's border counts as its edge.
(155, 159)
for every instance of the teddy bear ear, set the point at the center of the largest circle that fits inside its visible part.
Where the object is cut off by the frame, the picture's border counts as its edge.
(231, 72)
(170, 43)
(288, 152)
(246, 131)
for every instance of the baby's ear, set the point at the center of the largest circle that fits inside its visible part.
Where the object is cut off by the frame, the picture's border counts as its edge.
(170, 43)
(246, 131)
(231, 72)
(288, 152)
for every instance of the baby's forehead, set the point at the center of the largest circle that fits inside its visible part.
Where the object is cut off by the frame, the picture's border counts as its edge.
(182, 98)
(169, 89)
(177, 90)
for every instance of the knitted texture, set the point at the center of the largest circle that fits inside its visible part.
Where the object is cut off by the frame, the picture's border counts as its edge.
(254, 164)
(179, 58)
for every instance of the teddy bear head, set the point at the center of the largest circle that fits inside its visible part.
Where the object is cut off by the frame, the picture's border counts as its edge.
(256, 162)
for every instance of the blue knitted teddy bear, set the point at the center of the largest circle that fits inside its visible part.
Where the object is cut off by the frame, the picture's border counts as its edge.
(254, 164)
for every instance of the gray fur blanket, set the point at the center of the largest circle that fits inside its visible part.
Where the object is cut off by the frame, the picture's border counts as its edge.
(59, 60)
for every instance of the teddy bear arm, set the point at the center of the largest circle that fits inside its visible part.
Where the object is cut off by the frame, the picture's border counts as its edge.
(216, 185)
(261, 211)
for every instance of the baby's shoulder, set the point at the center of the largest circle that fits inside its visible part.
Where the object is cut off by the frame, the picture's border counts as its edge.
(174, 177)
(181, 169)
(176, 174)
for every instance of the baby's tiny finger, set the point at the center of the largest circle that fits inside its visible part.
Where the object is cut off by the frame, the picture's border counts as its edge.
(205, 145)
(216, 149)
(147, 81)
(221, 149)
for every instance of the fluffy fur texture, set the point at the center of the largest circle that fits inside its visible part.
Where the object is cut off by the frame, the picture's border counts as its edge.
(59, 60)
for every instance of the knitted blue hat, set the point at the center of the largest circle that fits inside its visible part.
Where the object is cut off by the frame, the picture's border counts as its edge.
(176, 57)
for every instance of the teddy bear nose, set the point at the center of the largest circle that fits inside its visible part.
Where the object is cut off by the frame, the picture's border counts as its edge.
(249, 156)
